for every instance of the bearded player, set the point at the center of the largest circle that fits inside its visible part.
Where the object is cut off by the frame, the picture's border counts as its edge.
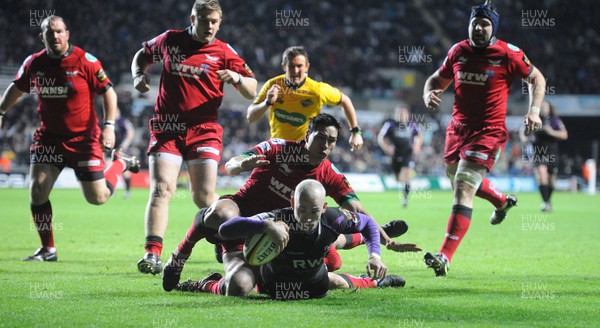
(482, 68)
(66, 79)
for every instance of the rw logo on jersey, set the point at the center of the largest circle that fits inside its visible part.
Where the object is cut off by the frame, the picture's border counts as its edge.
(474, 78)
(280, 189)
(188, 70)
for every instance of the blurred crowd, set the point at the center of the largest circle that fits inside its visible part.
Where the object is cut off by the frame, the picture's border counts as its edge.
(348, 42)
(345, 39)
(239, 136)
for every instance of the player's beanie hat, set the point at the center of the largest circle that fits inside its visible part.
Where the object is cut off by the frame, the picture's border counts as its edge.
(486, 10)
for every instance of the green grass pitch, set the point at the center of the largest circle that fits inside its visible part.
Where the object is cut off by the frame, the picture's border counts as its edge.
(533, 270)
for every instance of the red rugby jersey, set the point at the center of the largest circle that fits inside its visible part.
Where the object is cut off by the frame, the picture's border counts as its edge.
(189, 85)
(270, 187)
(482, 80)
(65, 87)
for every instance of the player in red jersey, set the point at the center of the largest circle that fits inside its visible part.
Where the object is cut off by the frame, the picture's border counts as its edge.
(195, 66)
(277, 167)
(65, 77)
(482, 68)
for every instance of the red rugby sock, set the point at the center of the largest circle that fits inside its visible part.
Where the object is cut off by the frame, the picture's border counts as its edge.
(356, 282)
(332, 260)
(112, 173)
(488, 191)
(458, 224)
(353, 240)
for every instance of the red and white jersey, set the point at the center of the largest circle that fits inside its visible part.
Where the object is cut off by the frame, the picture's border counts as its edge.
(66, 88)
(189, 85)
(271, 186)
(482, 80)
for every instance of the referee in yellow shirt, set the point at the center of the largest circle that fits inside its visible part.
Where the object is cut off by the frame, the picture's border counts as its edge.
(293, 98)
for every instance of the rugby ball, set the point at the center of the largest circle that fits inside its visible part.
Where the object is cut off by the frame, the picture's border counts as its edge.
(259, 249)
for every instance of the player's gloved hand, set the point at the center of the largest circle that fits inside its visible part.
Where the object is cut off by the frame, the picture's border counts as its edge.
(401, 248)
(532, 122)
(249, 163)
(375, 267)
(432, 98)
(356, 141)
(141, 83)
(278, 230)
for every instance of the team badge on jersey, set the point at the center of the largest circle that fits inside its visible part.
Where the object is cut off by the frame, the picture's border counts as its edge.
(90, 57)
(101, 75)
(513, 47)
(526, 60)
(264, 146)
(306, 102)
(248, 69)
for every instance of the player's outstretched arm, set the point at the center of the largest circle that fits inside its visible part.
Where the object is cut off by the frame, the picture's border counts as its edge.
(239, 164)
(138, 68)
(9, 99)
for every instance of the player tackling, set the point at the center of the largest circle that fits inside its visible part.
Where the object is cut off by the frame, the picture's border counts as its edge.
(482, 68)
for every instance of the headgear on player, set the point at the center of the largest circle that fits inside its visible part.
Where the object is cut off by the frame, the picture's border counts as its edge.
(486, 10)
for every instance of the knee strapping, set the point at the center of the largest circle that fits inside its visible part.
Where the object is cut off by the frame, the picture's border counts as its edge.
(469, 176)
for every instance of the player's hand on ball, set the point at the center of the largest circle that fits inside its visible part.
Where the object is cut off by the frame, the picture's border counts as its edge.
(141, 83)
(249, 163)
(432, 98)
(375, 267)
(401, 248)
(278, 230)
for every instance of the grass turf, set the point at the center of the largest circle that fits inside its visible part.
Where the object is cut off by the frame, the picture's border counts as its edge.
(533, 270)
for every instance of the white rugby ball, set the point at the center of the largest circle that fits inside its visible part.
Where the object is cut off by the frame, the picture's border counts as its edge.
(259, 249)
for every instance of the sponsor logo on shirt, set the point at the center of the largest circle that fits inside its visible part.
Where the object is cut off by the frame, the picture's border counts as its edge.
(294, 119)
(476, 154)
(526, 60)
(71, 73)
(280, 189)
(90, 57)
(472, 78)
(189, 70)
(208, 150)
(494, 62)
(248, 69)
(264, 146)
(306, 102)
(93, 162)
(212, 58)
(101, 75)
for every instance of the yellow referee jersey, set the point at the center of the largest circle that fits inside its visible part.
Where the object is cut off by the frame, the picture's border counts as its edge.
(291, 112)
